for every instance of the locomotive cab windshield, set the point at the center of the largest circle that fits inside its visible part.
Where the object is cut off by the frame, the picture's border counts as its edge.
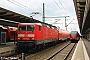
(26, 28)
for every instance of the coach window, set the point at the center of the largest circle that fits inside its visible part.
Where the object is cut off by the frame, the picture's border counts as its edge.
(39, 28)
(12, 33)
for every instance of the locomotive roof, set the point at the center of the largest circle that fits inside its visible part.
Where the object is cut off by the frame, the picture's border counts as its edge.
(42, 24)
(30, 23)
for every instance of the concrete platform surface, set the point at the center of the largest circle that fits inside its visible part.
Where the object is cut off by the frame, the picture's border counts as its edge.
(80, 52)
(8, 49)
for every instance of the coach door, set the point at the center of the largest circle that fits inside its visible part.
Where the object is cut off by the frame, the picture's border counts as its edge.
(3, 38)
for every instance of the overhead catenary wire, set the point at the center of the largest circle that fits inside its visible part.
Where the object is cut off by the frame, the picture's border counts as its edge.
(62, 6)
(23, 5)
(67, 5)
(38, 5)
(59, 6)
(20, 5)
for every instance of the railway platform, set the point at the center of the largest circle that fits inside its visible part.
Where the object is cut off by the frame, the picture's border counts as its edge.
(8, 49)
(82, 51)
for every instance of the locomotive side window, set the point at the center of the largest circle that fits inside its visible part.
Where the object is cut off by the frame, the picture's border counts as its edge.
(30, 28)
(73, 33)
(22, 28)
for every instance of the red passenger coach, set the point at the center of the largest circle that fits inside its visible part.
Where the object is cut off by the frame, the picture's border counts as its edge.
(74, 36)
(35, 34)
(64, 35)
(11, 33)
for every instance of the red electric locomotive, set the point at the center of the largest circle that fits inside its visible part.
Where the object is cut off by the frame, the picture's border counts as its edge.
(74, 36)
(35, 35)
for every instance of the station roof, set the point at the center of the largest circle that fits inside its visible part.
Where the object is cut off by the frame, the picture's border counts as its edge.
(82, 8)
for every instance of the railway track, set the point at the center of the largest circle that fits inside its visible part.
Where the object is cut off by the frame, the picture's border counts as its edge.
(63, 53)
(47, 53)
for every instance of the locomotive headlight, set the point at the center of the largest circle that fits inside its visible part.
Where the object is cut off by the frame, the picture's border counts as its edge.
(32, 38)
(20, 35)
(30, 35)
(18, 38)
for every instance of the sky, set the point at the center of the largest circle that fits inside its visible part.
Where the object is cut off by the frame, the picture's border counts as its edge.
(53, 8)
